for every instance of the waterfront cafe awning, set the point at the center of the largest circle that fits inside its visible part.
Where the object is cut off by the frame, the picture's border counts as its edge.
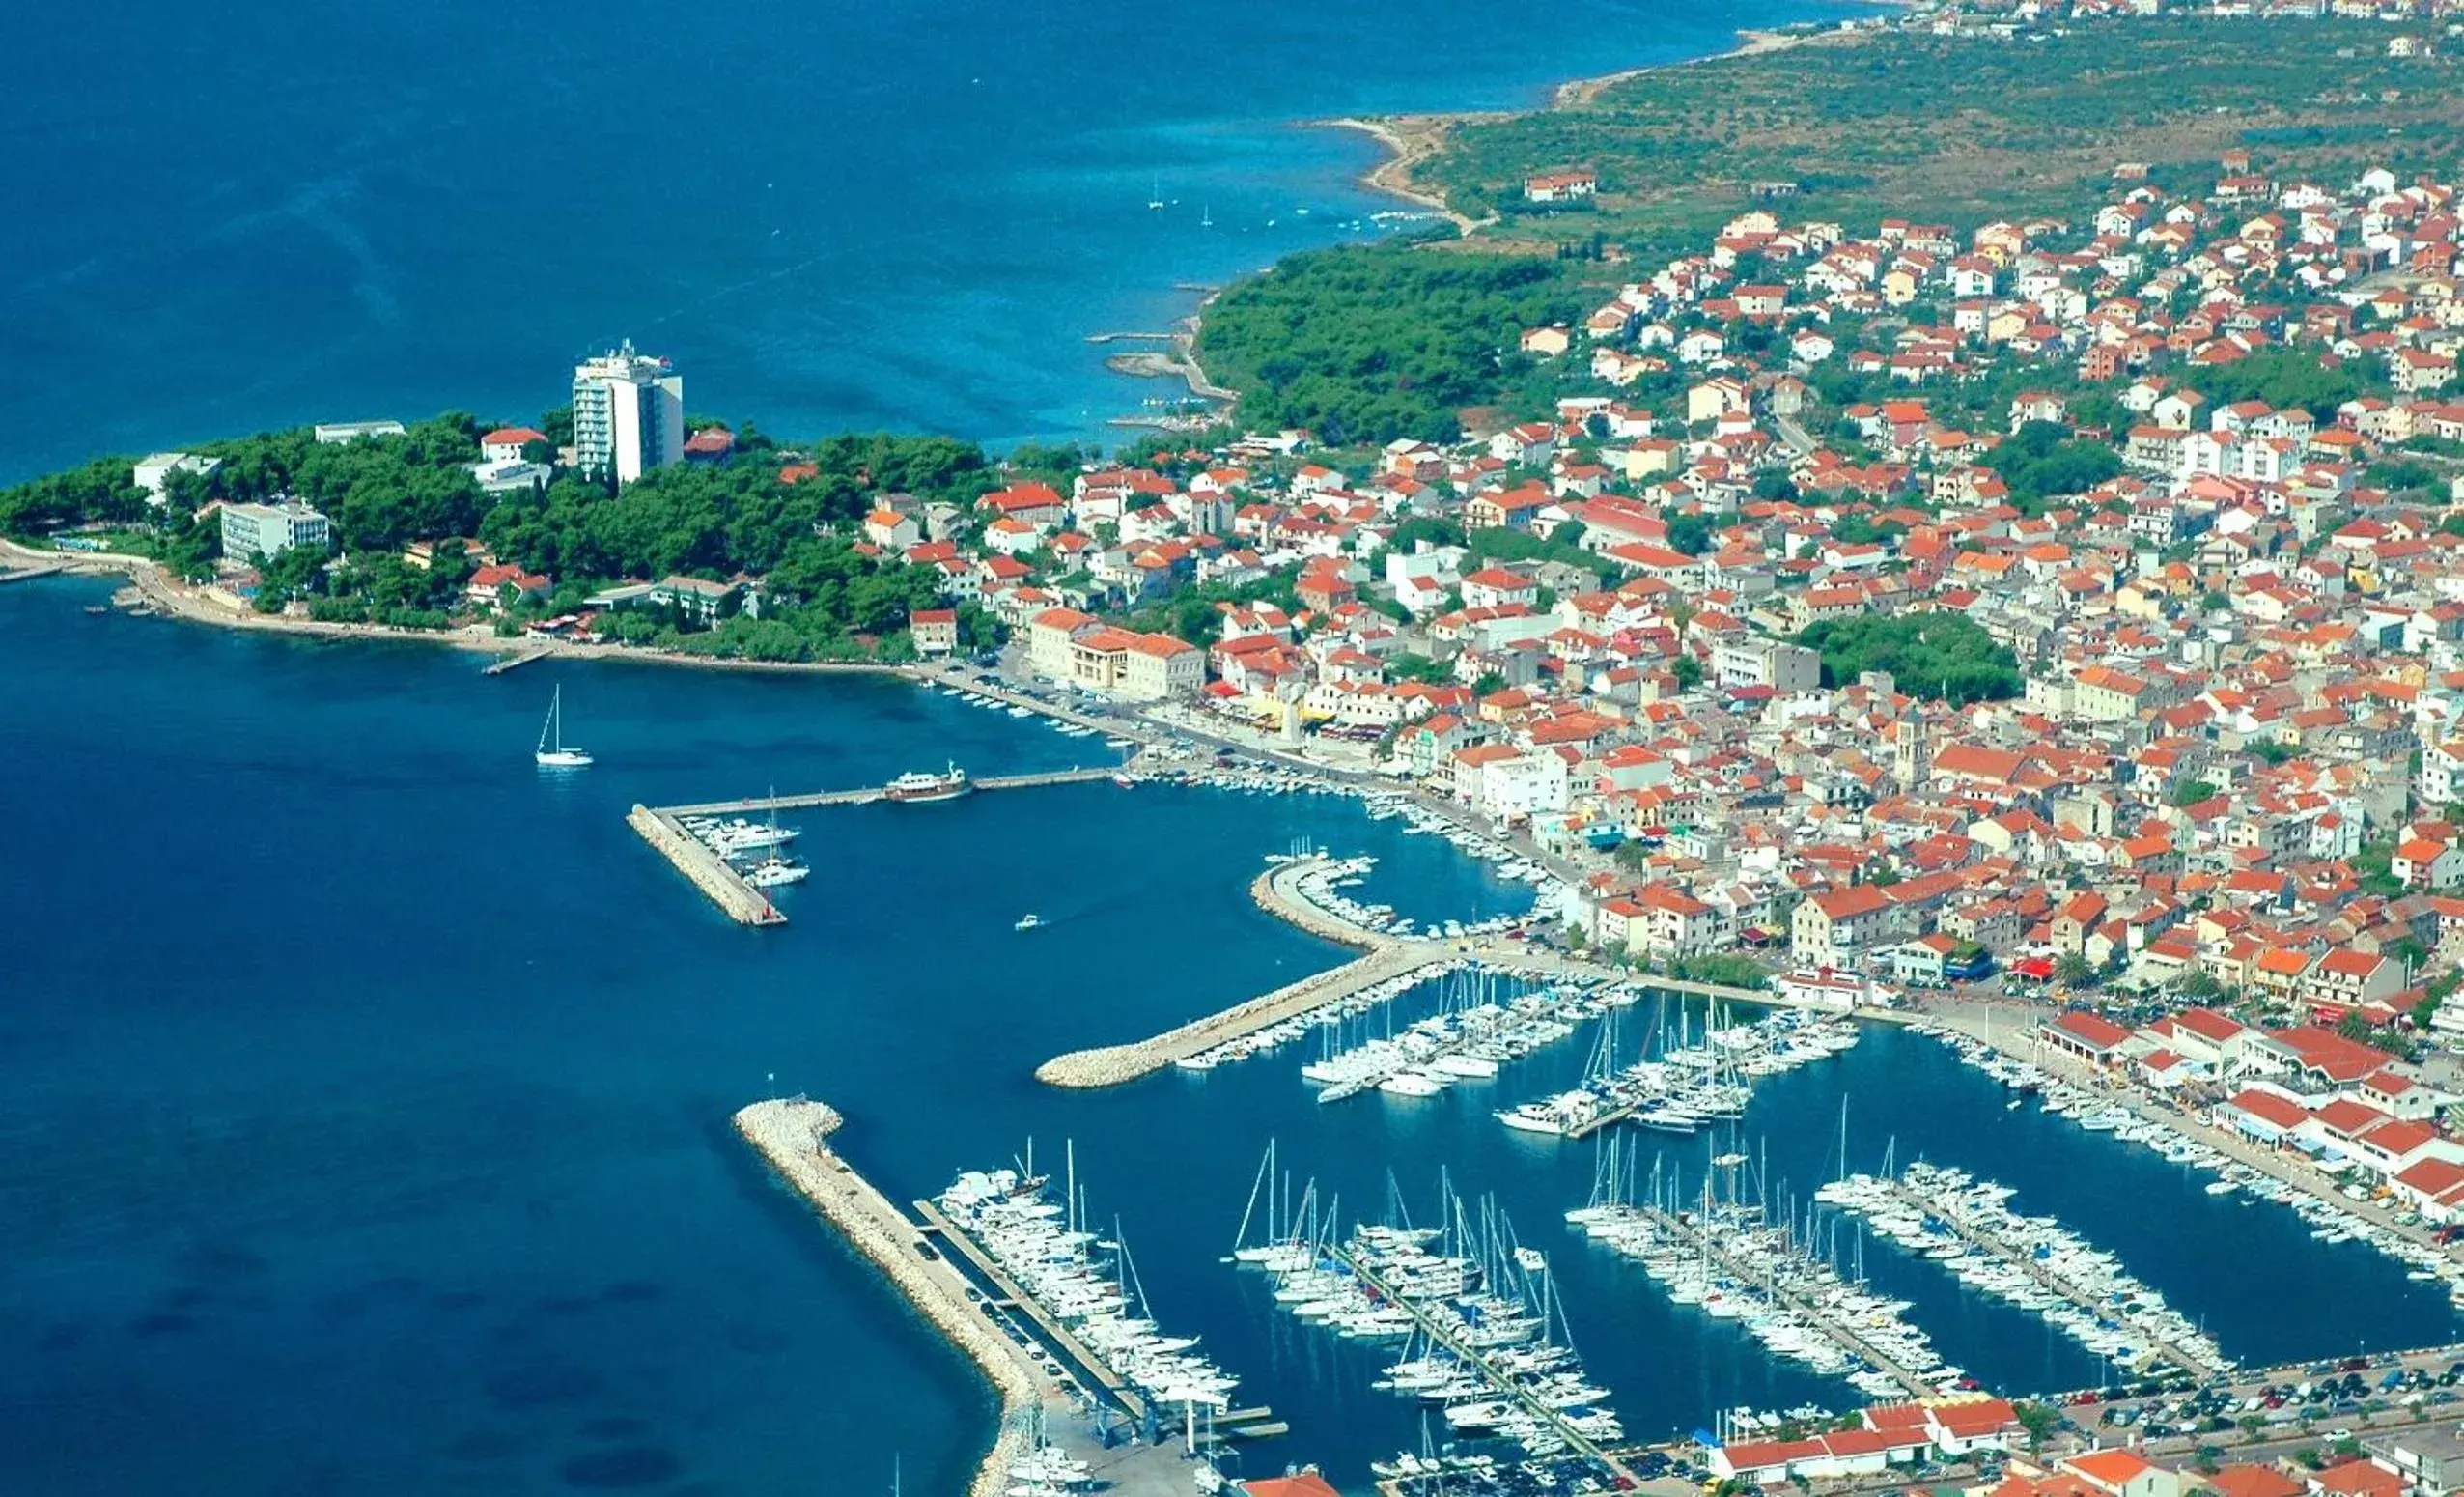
(2039, 968)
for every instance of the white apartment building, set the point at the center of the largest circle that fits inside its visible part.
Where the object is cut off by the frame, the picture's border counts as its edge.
(271, 529)
(629, 414)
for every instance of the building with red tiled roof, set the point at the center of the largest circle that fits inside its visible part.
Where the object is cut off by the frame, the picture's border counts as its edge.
(2252, 1482)
(2087, 1036)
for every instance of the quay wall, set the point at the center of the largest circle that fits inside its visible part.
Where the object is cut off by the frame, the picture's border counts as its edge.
(709, 872)
(789, 1134)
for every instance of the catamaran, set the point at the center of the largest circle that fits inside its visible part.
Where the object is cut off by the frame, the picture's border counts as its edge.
(552, 753)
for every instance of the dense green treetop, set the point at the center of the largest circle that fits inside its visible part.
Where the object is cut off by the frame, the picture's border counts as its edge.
(1369, 344)
(1945, 657)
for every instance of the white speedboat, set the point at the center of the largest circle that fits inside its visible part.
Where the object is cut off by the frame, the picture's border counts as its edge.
(773, 871)
(1027, 922)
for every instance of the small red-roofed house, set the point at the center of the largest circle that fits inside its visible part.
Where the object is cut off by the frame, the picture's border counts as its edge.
(2358, 1479)
(505, 444)
(2435, 1187)
(1971, 1424)
(2121, 1473)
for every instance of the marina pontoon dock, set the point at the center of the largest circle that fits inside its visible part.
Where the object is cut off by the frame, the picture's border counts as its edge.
(1443, 1332)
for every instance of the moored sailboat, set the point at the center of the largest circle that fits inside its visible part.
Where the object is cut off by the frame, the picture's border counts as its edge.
(552, 751)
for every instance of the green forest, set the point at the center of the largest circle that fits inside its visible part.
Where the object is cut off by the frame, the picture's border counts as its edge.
(1369, 344)
(1942, 657)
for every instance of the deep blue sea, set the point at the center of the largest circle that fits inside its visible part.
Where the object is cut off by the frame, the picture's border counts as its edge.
(898, 213)
(364, 1097)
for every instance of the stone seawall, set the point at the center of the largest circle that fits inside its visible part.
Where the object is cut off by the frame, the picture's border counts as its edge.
(709, 872)
(789, 1134)
(1274, 892)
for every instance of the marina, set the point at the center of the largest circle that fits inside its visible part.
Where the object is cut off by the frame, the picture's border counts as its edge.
(1476, 1031)
(1723, 1254)
(1475, 1317)
(1078, 1287)
(1683, 1086)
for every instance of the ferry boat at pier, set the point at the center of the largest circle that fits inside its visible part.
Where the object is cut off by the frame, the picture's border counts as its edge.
(915, 787)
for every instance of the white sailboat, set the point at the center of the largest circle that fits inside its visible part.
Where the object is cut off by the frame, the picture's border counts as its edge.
(552, 752)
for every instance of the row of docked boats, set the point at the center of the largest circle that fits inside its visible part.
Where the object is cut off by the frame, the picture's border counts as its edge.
(987, 702)
(1085, 1282)
(1725, 1257)
(1322, 883)
(1967, 1226)
(1350, 1006)
(1478, 1029)
(757, 850)
(2328, 1219)
(1479, 1331)
(1421, 819)
(1682, 1086)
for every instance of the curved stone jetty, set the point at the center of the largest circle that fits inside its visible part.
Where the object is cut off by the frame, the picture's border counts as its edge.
(1112, 1065)
(789, 1134)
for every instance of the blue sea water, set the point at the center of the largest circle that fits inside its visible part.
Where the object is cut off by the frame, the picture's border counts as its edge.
(363, 1095)
(899, 215)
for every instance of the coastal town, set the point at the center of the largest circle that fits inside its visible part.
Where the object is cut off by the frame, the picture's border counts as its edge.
(2042, 636)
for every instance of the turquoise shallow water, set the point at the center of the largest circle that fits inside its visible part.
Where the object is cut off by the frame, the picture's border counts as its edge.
(834, 216)
(363, 1097)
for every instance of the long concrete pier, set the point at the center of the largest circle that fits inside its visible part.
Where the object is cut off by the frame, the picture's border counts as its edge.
(28, 573)
(790, 1135)
(869, 794)
(1279, 893)
(709, 872)
(517, 661)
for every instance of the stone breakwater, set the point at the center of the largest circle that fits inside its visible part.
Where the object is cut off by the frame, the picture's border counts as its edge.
(789, 1134)
(1112, 1065)
(709, 872)
(1276, 891)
